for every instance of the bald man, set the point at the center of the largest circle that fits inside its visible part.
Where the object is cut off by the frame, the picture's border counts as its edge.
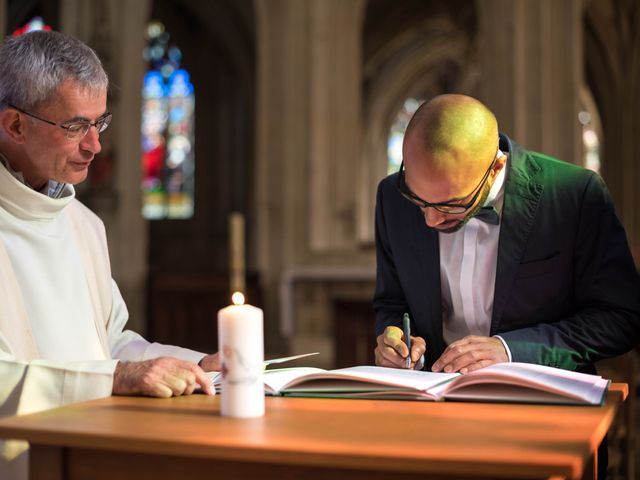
(497, 253)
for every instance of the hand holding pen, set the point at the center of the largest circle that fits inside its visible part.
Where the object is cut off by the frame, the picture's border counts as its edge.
(397, 349)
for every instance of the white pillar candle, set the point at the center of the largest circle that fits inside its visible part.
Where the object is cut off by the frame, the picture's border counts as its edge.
(240, 343)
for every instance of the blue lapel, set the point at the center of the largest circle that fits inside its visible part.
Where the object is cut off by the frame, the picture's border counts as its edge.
(522, 194)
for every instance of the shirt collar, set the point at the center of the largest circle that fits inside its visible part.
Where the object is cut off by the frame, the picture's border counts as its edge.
(496, 194)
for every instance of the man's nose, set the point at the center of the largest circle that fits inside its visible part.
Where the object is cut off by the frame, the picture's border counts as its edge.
(433, 217)
(91, 141)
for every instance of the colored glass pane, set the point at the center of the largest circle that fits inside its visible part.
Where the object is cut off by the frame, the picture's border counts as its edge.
(396, 133)
(36, 23)
(167, 131)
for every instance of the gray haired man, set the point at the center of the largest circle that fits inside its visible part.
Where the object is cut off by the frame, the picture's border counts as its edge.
(62, 318)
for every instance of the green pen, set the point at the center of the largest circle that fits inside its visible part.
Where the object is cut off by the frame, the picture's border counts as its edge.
(406, 327)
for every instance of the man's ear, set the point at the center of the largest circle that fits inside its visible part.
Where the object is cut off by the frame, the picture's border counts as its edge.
(12, 125)
(500, 163)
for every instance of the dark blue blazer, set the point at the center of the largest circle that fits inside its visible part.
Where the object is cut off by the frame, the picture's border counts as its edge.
(566, 292)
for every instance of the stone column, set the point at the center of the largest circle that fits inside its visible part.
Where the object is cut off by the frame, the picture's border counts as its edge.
(282, 28)
(612, 63)
(116, 29)
(307, 127)
(531, 59)
(335, 83)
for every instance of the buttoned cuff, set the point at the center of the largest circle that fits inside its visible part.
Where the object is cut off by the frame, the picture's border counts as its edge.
(506, 347)
(419, 364)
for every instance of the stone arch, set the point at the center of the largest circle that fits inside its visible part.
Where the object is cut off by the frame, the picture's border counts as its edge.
(434, 56)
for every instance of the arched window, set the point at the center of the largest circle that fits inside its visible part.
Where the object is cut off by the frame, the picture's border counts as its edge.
(396, 133)
(167, 131)
(36, 23)
(591, 131)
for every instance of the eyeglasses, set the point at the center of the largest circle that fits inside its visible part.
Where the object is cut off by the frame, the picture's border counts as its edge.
(74, 130)
(443, 207)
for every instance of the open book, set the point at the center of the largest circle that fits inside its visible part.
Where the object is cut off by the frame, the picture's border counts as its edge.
(503, 382)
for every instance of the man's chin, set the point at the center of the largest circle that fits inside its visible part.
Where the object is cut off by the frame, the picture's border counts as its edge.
(451, 229)
(456, 225)
(74, 178)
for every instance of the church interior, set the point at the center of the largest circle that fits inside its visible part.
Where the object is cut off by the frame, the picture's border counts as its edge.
(249, 136)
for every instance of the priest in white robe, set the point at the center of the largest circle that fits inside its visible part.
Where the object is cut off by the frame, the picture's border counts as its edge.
(62, 318)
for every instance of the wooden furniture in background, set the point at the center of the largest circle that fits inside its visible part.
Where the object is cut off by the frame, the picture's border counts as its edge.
(185, 437)
(183, 307)
(355, 338)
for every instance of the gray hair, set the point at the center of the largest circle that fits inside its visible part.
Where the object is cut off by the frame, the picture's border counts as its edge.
(34, 65)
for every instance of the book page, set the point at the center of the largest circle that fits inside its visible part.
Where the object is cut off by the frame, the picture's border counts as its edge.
(579, 387)
(508, 394)
(288, 359)
(275, 380)
(216, 377)
(387, 379)
(394, 394)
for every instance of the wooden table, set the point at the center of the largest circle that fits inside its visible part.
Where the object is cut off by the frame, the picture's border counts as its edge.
(299, 438)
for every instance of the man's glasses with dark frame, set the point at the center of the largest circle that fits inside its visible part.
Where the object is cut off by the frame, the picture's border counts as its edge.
(443, 207)
(74, 130)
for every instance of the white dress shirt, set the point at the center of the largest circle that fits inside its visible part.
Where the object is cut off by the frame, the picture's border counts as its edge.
(468, 261)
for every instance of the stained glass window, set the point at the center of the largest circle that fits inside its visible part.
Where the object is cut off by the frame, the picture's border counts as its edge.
(396, 133)
(591, 130)
(167, 131)
(590, 141)
(36, 23)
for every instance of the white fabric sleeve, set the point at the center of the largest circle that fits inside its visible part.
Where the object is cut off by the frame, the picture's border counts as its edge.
(29, 387)
(506, 347)
(130, 346)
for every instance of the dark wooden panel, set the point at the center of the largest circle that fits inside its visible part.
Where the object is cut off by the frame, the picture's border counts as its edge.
(183, 307)
(47, 463)
(88, 464)
(354, 333)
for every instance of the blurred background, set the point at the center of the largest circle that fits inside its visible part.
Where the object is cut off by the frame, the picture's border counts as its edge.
(249, 136)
